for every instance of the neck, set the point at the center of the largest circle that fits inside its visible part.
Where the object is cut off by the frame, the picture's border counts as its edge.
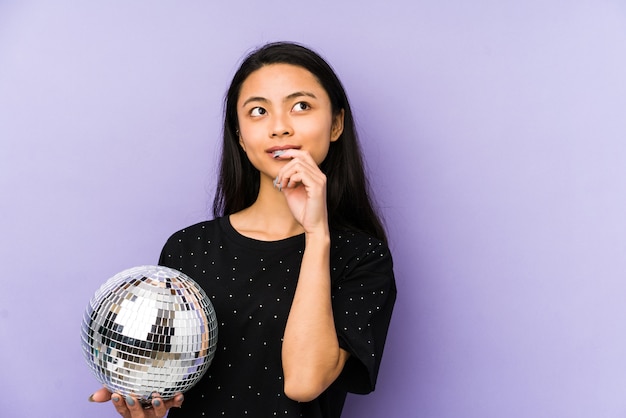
(268, 218)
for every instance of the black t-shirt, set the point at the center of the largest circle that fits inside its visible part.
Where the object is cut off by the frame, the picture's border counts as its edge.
(251, 284)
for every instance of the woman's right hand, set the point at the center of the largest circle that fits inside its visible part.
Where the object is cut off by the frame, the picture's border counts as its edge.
(129, 407)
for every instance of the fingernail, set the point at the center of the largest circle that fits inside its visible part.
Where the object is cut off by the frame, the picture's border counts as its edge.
(279, 153)
(115, 398)
(91, 398)
(129, 401)
(275, 182)
(156, 402)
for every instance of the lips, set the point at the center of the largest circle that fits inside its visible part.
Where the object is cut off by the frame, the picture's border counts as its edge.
(277, 151)
(282, 148)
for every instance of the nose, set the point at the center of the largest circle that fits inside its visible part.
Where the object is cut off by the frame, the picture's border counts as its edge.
(281, 127)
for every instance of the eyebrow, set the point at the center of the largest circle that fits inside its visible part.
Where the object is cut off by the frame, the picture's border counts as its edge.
(286, 99)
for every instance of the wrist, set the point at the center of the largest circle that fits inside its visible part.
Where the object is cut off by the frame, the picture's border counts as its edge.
(321, 233)
(321, 236)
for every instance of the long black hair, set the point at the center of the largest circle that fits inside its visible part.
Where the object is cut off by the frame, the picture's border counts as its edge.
(348, 200)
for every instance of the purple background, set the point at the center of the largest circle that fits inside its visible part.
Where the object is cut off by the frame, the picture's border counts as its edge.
(495, 132)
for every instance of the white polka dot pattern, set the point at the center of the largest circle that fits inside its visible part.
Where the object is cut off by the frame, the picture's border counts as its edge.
(251, 284)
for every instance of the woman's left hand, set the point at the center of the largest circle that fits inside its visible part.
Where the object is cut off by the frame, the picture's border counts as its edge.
(130, 407)
(304, 187)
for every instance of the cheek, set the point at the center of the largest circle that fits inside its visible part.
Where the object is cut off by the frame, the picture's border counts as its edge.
(319, 134)
(248, 137)
(320, 155)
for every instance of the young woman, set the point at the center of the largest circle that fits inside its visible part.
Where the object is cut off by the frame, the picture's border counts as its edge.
(295, 262)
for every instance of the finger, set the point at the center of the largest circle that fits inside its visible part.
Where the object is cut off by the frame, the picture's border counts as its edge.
(175, 402)
(135, 407)
(293, 154)
(299, 172)
(160, 407)
(289, 180)
(295, 180)
(295, 157)
(120, 405)
(311, 179)
(101, 395)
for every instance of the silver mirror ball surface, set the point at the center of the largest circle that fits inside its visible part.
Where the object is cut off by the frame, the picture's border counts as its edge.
(149, 329)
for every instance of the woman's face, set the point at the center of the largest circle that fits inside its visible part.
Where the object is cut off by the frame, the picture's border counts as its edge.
(283, 106)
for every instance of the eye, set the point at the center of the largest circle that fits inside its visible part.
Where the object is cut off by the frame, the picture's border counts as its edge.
(300, 106)
(257, 111)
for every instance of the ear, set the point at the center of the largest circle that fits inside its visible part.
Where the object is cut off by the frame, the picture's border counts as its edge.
(241, 143)
(337, 129)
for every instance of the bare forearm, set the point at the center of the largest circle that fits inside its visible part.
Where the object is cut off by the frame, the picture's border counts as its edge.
(311, 356)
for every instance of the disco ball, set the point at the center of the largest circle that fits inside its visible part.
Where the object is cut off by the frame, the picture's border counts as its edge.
(149, 329)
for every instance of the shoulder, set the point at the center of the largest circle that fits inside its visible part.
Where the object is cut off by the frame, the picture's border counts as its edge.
(198, 229)
(188, 241)
(358, 244)
(192, 236)
(355, 253)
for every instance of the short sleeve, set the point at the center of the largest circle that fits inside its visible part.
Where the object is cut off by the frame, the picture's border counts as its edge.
(363, 299)
(171, 253)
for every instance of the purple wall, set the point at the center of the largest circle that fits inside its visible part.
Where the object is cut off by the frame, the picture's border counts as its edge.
(496, 133)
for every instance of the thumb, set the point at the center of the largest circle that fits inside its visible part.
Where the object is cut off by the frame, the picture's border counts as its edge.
(101, 395)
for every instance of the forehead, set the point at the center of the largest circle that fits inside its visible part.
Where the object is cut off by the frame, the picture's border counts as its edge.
(276, 81)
